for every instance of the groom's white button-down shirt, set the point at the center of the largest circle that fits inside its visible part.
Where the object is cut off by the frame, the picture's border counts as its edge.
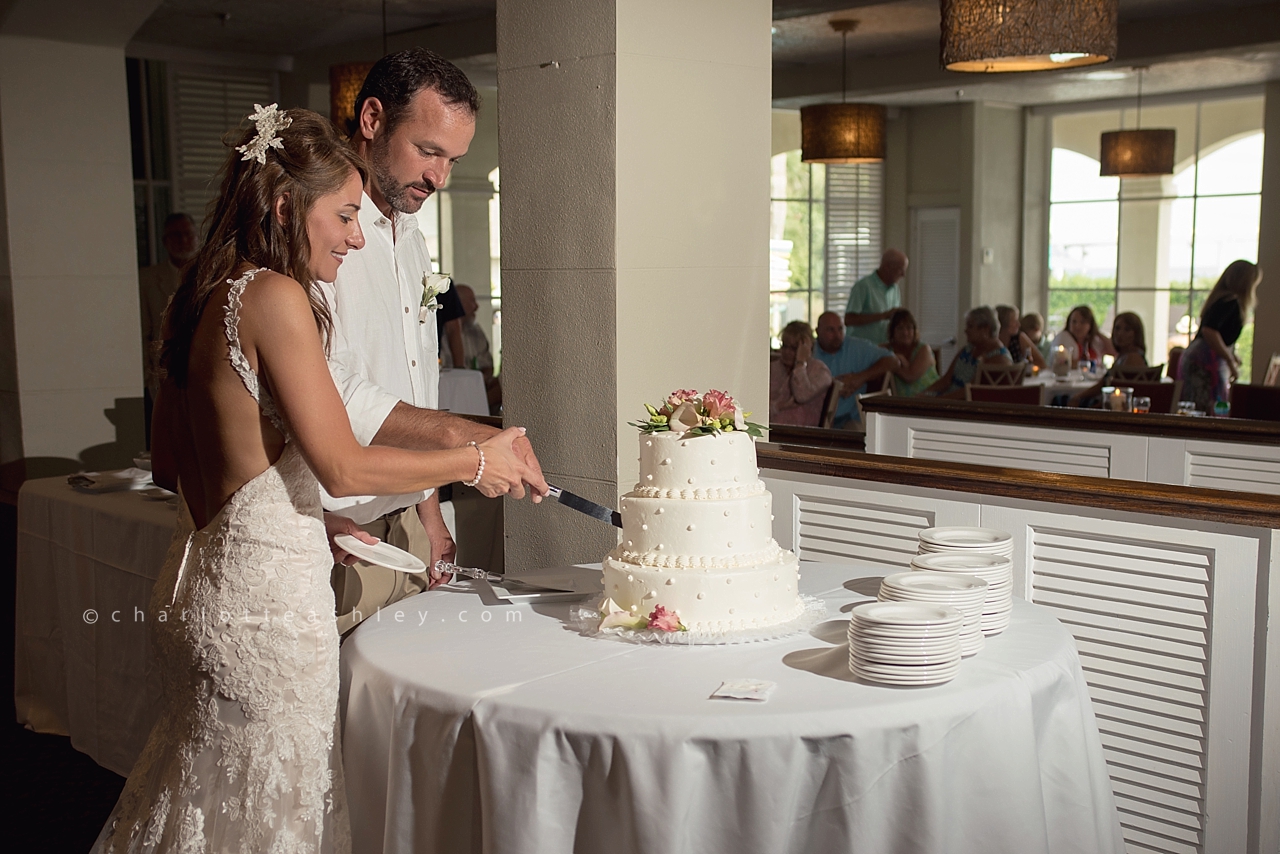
(380, 353)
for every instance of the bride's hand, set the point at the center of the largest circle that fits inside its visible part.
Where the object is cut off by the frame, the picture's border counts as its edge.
(334, 525)
(503, 466)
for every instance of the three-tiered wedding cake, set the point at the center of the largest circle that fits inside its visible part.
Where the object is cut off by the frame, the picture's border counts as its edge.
(697, 534)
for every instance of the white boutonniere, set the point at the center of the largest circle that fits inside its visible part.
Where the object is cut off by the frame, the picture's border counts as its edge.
(433, 284)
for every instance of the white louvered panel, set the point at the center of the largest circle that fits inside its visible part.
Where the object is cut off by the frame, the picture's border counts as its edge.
(986, 449)
(835, 530)
(854, 211)
(1140, 610)
(207, 108)
(1245, 474)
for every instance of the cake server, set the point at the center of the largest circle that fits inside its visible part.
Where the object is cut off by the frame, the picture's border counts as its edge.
(493, 578)
(582, 505)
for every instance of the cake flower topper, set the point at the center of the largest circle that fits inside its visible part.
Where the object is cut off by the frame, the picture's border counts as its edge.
(685, 411)
(269, 121)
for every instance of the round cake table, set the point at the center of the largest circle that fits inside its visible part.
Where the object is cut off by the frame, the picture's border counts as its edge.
(502, 729)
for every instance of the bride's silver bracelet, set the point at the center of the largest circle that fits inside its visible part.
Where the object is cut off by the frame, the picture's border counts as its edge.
(479, 468)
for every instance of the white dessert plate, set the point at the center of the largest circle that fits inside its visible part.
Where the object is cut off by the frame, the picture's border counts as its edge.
(880, 657)
(902, 681)
(907, 668)
(925, 581)
(961, 562)
(905, 614)
(382, 554)
(964, 537)
(863, 645)
(903, 674)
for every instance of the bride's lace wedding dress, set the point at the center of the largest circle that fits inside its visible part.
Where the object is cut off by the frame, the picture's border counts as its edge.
(244, 757)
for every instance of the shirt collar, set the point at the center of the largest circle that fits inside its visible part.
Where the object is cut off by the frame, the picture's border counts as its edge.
(372, 217)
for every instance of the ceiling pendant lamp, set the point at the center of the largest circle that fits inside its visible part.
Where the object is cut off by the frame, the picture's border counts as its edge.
(842, 133)
(1138, 153)
(1027, 35)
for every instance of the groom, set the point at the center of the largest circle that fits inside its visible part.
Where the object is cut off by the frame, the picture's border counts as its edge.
(415, 117)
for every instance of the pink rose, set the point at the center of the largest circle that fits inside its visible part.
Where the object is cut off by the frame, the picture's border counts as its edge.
(663, 620)
(718, 404)
(679, 396)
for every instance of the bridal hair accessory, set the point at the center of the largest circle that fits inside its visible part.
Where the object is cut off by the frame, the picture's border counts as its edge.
(269, 121)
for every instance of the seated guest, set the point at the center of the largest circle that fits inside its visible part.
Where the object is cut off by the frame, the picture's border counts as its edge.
(1032, 325)
(916, 369)
(798, 382)
(1020, 347)
(983, 347)
(475, 349)
(854, 361)
(1082, 338)
(1130, 340)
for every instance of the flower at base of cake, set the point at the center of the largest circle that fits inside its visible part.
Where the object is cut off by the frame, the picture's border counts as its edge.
(662, 620)
(686, 411)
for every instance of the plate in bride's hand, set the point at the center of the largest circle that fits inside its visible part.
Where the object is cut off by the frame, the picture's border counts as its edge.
(381, 554)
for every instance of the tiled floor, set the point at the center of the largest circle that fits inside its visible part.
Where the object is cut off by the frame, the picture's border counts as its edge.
(58, 798)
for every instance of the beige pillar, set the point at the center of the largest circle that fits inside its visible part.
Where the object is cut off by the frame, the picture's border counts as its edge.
(1145, 229)
(635, 139)
(1266, 317)
(70, 375)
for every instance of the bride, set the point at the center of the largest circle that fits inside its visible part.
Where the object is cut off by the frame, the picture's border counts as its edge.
(244, 756)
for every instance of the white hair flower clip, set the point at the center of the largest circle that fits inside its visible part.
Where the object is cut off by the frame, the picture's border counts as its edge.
(269, 121)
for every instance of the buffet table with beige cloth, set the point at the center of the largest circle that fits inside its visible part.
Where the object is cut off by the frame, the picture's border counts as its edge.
(502, 729)
(462, 392)
(86, 566)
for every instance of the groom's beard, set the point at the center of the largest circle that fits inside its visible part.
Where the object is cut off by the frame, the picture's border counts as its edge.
(396, 193)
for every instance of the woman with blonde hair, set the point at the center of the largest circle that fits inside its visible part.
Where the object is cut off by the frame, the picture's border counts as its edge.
(798, 382)
(248, 425)
(1209, 365)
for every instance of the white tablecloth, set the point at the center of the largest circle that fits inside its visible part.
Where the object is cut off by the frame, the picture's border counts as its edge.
(467, 729)
(1073, 382)
(86, 565)
(462, 392)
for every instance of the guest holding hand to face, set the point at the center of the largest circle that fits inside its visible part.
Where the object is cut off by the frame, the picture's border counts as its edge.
(982, 347)
(1032, 326)
(1082, 338)
(1020, 347)
(798, 382)
(1130, 340)
(1210, 364)
(915, 369)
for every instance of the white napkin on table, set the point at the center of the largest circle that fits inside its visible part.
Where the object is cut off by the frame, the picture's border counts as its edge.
(110, 481)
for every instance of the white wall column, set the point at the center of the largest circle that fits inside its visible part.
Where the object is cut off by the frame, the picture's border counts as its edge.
(635, 139)
(1266, 316)
(70, 373)
(1145, 231)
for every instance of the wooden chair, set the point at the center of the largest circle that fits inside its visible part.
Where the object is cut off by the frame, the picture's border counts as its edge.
(862, 416)
(1026, 395)
(1164, 396)
(1260, 402)
(830, 404)
(1005, 375)
(1175, 356)
(1142, 375)
(1272, 376)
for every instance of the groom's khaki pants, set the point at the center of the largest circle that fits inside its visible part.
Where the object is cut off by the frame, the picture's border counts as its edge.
(362, 589)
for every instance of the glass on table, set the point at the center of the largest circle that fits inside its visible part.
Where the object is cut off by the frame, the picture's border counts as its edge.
(1142, 404)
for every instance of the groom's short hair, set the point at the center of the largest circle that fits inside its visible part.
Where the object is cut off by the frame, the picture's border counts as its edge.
(397, 77)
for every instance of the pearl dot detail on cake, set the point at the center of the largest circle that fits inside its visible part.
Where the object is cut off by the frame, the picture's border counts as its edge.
(713, 462)
(665, 462)
(690, 528)
(658, 512)
(690, 480)
(644, 527)
(648, 477)
(702, 596)
(630, 577)
(670, 581)
(726, 514)
(730, 610)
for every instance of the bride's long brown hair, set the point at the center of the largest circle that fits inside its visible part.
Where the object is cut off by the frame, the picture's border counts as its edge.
(243, 229)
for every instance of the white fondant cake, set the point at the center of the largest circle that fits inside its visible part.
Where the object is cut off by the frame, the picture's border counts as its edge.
(697, 537)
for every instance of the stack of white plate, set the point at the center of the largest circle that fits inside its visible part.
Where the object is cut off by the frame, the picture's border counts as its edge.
(996, 570)
(965, 593)
(964, 540)
(904, 643)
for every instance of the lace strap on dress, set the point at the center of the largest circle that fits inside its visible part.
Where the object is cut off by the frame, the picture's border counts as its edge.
(238, 360)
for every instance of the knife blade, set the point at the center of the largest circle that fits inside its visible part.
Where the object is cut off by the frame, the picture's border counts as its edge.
(582, 505)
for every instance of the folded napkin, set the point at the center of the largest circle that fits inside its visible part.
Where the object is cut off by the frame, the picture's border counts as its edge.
(110, 481)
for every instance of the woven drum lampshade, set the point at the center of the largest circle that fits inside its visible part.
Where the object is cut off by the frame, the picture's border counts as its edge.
(842, 133)
(344, 85)
(1131, 153)
(1027, 35)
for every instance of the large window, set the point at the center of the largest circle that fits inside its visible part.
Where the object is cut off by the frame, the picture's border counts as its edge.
(825, 234)
(1155, 246)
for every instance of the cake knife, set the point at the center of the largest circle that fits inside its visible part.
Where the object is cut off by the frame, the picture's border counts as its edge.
(582, 505)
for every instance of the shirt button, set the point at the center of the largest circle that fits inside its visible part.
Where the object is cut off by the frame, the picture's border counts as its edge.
(406, 309)
(414, 363)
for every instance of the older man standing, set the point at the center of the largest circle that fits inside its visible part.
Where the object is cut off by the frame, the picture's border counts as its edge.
(874, 297)
(852, 361)
(415, 117)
